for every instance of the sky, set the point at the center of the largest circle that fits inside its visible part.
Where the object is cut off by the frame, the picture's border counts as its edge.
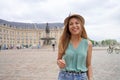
(102, 16)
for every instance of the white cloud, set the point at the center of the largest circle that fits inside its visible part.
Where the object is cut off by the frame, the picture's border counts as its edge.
(102, 16)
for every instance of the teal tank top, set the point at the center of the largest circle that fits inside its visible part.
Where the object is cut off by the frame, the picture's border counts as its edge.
(75, 58)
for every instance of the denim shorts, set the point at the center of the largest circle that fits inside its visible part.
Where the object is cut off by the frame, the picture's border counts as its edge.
(63, 75)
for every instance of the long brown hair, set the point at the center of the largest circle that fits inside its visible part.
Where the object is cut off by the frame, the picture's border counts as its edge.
(66, 35)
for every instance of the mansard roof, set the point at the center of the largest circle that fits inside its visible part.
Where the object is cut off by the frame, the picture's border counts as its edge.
(21, 25)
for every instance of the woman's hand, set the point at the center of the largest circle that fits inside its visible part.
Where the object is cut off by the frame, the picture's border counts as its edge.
(61, 63)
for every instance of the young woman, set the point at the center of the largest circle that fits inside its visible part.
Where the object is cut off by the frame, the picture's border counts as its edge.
(75, 51)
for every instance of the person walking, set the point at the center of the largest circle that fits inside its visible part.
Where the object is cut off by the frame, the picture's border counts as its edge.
(74, 50)
(53, 45)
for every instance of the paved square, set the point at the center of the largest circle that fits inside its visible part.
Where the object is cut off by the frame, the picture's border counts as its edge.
(40, 64)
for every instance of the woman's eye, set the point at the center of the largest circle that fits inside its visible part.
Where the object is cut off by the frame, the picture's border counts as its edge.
(77, 23)
(71, 24)
(74, 23)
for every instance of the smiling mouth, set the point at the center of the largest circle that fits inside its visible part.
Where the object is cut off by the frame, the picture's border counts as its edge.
(74, 29)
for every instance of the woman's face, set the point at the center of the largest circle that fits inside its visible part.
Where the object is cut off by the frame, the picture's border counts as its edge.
(75, 27)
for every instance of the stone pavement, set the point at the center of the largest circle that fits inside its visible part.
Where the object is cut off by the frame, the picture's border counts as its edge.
(106, 66)
(40, 64)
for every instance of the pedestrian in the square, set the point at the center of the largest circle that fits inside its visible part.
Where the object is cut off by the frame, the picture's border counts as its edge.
(53, 45)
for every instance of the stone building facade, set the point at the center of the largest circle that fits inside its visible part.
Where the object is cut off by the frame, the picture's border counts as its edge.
(11, 36)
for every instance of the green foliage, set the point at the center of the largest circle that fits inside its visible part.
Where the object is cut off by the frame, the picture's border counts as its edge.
(104, 42)
(109, 41)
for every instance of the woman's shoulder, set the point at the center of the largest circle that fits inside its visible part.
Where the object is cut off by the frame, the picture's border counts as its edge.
(88, 42)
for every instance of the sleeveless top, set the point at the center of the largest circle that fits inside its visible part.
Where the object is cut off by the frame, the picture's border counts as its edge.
(75, 58)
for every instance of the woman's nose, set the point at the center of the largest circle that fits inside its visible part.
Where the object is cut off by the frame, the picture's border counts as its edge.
(74, 25)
